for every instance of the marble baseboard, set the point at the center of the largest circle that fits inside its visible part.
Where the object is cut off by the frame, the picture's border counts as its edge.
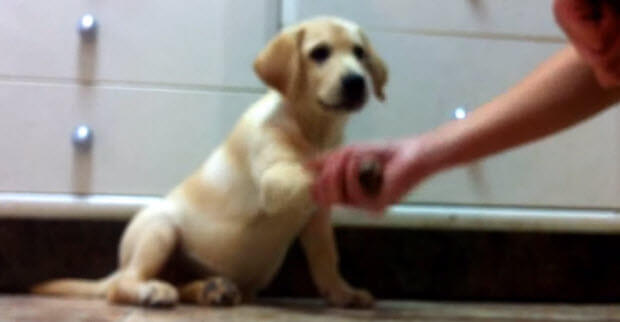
(392, 263)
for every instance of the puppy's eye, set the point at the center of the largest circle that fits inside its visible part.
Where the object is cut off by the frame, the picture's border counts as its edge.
(320, 53)
(359, 52)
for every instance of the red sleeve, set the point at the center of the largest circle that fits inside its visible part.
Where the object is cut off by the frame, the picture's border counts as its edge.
(593, 26)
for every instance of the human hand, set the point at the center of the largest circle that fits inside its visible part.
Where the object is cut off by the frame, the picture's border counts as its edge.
(338, 174)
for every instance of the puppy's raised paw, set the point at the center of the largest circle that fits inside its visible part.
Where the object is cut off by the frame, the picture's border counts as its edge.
(158, 294)
(219, 291)
(349, 297)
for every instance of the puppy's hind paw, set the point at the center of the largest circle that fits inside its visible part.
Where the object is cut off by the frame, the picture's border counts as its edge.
(220, 291)
(158, 294)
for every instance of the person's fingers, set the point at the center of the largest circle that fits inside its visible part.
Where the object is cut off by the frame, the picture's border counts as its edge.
(316, 164)
(396, 183)
(318, 193)
(322, 195)
(337, 178)
(325, 166)
(323, 188)
(381, 153)
(355, 193)
(333, 176)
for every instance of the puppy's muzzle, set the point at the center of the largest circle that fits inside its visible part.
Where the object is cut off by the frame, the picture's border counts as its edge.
(353, 91)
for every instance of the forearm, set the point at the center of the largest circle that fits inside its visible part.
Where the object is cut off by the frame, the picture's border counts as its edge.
(560, 93)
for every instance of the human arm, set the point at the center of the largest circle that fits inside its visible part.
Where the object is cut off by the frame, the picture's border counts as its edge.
(561, 92)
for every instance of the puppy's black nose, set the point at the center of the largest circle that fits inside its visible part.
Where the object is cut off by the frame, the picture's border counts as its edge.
(353, 88)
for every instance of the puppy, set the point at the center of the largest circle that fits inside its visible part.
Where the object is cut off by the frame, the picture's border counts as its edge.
(238, 214)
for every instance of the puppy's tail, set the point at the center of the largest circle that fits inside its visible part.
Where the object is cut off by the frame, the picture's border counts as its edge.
(75, 287)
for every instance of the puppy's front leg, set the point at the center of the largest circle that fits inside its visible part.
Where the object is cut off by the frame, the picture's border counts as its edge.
(317, 239)
(285, 187)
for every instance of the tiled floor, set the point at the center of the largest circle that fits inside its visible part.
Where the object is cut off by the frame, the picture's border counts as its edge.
(27, 308)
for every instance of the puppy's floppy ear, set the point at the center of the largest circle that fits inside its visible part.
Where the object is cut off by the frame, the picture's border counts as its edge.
(376, 67)
(278, 65)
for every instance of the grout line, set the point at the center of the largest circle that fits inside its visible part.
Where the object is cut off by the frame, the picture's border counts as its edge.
(128, 85)
(278, 14)
(471, 34)
(288, 12)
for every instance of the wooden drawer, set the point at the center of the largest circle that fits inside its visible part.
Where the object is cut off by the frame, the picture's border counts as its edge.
(198, 42)
(515, 17)
(431, 76)
(145, 141)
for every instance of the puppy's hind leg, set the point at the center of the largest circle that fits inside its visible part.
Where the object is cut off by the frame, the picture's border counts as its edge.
(151, 246)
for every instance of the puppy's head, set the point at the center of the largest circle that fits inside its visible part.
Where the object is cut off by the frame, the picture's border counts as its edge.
(328, 62)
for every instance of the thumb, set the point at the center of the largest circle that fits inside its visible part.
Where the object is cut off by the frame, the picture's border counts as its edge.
(316, 164)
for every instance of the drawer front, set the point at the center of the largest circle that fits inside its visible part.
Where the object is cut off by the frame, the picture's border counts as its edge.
(432, 76)
(516, 17)
(197, 42)
(145, 141)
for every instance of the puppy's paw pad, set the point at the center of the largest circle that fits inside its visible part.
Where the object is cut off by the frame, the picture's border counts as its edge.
(220, 291)
(351, 298)
(158, 294)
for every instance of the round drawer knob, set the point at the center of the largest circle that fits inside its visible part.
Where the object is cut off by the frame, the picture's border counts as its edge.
(459, 113)
(82, 137)
(87, 26)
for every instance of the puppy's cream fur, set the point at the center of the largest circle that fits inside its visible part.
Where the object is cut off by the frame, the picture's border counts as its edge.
(240, 211)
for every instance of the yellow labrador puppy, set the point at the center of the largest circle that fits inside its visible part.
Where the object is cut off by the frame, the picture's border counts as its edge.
(238, 214)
